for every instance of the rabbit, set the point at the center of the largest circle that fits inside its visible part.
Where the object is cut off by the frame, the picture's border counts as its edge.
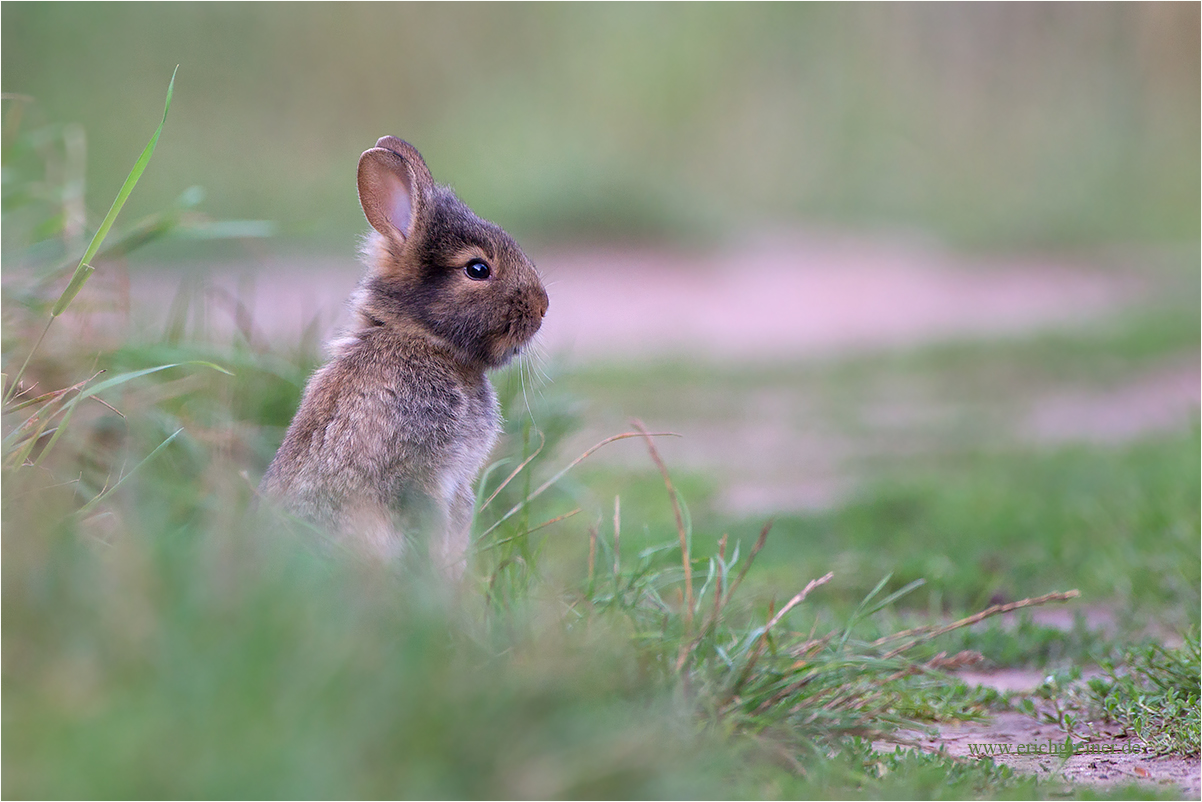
(393, 430)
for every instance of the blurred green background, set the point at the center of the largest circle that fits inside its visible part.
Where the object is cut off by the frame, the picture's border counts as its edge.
(988, 125)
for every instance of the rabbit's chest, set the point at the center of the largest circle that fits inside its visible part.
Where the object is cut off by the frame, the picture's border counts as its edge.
(475, 432)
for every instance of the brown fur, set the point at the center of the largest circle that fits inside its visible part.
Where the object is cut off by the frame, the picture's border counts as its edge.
(392, 431)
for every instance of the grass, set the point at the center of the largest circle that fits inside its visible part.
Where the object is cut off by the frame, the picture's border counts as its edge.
(207, 664)
(1119, 524)
(162, 638)
(1122, 527)
(1147, 690)
(1154, 691)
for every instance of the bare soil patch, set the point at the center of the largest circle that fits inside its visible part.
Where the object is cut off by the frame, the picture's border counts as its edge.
(1014, 730)
(1110, 755)
(798, 296)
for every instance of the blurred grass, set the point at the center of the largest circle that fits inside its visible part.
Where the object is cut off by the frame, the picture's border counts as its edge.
(193, 663)
(988, 125)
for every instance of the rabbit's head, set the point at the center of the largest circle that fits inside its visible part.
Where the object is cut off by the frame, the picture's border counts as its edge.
(433, 263)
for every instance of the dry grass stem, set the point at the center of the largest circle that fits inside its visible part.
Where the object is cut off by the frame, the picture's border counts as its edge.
(516, 471)
(759, 544)
(798, 599)
(718, 581)
(762, 640)
(551, 482)
(804, 652)
(680, 529)
(926, 633)
(531, 531)
(940, 662)
(106, 404)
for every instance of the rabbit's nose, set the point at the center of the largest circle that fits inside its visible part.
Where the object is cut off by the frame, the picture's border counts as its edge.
(541, 302)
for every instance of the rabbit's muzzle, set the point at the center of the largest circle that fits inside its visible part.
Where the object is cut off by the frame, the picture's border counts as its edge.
(528, 307)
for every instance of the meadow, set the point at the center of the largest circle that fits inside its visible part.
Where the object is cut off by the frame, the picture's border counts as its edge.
(622, 632)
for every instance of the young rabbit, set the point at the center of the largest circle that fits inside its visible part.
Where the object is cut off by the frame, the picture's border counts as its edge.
(392, 431)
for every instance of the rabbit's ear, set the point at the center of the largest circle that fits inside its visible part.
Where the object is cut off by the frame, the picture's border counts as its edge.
(394, 183)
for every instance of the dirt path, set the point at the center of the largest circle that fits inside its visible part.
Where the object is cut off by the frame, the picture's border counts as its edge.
(796, 296)
(782, 297)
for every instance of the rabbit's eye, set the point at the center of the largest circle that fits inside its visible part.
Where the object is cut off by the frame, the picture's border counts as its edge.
(477, 270)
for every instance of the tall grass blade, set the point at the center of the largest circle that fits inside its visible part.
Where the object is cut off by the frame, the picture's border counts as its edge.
(860, 611)
(85, 269)
(685, 534)
(81, 275)
(105, 494)
(894, 596)
(135, 374)
(16, 380)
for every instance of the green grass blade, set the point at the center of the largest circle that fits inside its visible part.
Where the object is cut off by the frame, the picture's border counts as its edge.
(859, 613)
(11, 391)
(85, 269)
(894, 596)
(105, 494)
(81, 275)
(67, 408)
(125, 377)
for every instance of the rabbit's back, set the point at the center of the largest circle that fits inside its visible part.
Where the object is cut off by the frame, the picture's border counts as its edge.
(390, 419)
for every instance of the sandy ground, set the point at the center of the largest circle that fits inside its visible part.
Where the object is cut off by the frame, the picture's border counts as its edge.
(1173, 774)
(793, 296)
(782, 449)
(1017, 732)
(1124, 764)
